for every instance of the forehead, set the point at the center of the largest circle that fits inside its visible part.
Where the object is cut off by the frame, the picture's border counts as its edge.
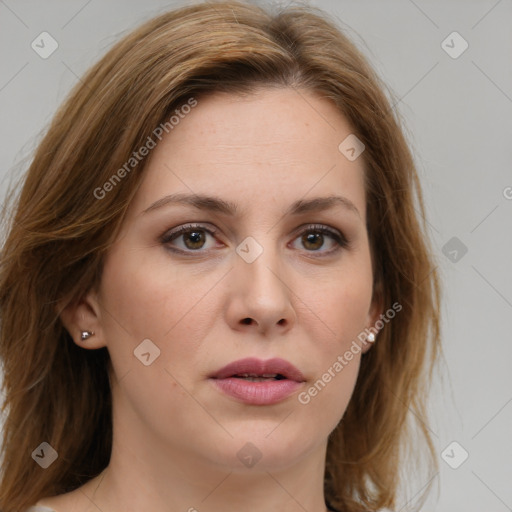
(275, 144)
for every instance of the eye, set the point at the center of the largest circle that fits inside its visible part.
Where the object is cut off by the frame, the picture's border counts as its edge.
(189, 238)
(315, 237)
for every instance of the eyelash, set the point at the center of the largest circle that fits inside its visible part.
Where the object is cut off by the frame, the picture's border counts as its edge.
(341, 241)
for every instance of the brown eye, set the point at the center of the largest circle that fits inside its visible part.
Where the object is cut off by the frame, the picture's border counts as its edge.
(320, 239)
(312, 241)
(189, 238)
(194, 239)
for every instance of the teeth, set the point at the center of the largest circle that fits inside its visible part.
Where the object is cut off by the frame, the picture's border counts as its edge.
(252, 377)
(265, 375)
(257, 379)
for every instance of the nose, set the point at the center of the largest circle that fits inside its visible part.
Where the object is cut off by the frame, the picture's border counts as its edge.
(260, 299)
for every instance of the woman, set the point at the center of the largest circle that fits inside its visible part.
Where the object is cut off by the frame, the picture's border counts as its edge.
(216, 289)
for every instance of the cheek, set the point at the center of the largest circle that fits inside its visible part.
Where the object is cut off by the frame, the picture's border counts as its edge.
(326, 398)
(336, 313)
(147, 298)
(339, 303)
(340, 315)
(152, 300)
(142, 301)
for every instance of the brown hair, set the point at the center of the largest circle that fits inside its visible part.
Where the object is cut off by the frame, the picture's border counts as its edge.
(59, 233)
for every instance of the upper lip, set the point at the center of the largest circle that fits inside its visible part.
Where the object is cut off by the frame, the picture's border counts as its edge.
(254, 366)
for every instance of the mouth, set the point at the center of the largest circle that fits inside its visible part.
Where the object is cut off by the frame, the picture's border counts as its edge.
(256, 382)
(259, 378)
(257, 370)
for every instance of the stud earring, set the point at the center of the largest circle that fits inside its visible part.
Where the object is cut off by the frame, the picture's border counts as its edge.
(371, 337)
(85, 335)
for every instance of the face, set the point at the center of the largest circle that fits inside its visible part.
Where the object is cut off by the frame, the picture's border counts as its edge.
(249, 258)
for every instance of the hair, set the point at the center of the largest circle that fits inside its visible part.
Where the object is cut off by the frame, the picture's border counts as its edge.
(58, 233)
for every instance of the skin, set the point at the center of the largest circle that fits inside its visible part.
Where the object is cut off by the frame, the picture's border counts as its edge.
(176, 436)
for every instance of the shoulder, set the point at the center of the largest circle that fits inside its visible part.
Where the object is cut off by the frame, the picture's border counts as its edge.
(73, 501)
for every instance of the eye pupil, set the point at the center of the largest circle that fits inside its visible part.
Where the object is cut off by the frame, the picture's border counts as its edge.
(197, 239)
(313, 240)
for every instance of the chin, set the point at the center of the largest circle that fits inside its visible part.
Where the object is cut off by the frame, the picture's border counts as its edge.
(256, 451)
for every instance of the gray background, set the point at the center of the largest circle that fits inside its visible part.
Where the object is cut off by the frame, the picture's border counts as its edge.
(458, 113)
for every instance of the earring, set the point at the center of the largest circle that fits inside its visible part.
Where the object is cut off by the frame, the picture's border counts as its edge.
(371, 337)
(85, 335)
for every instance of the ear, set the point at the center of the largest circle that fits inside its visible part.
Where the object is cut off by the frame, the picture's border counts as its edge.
(374, 314)
(84, 315)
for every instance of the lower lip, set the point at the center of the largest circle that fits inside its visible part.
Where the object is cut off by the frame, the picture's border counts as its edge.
(257, 393)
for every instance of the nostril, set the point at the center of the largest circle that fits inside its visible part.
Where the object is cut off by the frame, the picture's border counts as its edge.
(247, 321)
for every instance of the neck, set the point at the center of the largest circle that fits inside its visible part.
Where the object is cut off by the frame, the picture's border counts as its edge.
(134, 481)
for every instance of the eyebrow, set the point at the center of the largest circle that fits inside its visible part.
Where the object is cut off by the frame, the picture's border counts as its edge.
(215, 204)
